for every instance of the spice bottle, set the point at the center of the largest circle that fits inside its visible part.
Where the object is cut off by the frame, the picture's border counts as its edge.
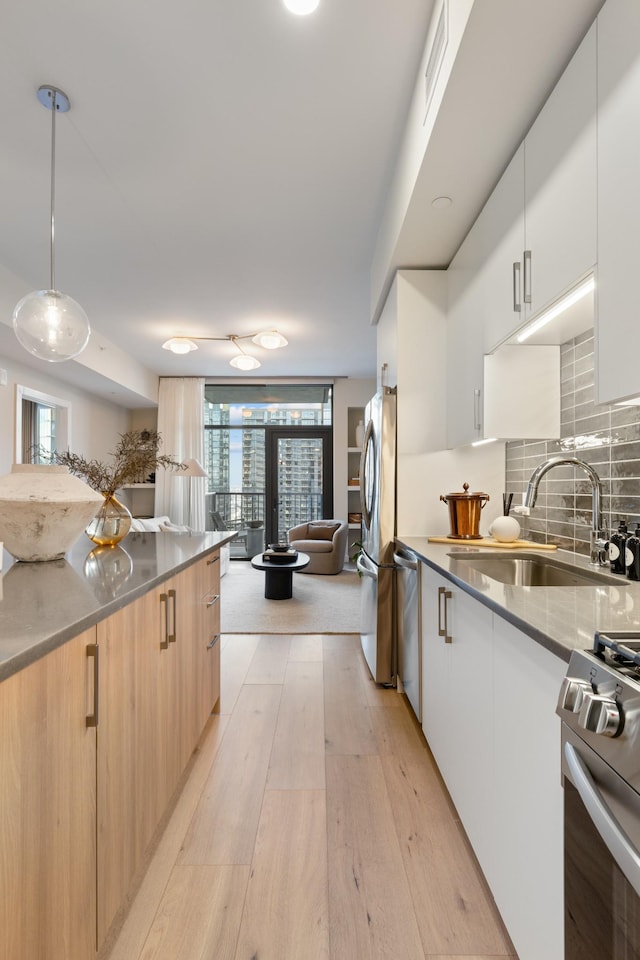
(617, 544)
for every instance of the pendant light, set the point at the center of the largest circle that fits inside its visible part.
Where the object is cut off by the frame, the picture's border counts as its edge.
(49, 324)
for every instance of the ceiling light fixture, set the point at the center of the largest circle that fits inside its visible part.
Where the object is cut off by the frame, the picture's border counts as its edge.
(50, 324)
(582, 290)
(301, 7)
(269, 339)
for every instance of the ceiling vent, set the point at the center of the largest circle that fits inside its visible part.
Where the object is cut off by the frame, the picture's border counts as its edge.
(436, 57)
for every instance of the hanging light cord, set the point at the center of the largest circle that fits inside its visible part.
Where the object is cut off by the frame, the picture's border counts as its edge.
(54, 109)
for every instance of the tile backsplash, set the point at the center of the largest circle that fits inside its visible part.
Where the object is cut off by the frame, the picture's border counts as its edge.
(607, 437)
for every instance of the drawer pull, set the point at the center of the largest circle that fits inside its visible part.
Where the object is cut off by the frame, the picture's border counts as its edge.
(213, 600)
(164, 643)
(172, 596)
(215, 559)
(443, 628)
(213, 641)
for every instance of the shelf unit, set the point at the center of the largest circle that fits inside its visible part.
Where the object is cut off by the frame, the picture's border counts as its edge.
(139, 498)
(354, 416)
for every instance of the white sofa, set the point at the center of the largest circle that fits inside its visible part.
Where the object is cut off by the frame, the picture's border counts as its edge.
(164, 525)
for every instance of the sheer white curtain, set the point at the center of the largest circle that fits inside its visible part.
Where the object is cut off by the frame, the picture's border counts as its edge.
(181, 426)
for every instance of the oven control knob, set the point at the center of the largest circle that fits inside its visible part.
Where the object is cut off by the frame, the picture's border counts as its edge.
(572, 693)
(600, 714)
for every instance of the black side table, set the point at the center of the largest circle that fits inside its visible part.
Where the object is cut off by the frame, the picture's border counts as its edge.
(278, 577)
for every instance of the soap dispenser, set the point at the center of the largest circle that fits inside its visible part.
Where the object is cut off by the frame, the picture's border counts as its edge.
(617, 545)
(632, 554)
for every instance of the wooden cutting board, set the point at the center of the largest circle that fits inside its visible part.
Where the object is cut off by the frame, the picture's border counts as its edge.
(490, 542)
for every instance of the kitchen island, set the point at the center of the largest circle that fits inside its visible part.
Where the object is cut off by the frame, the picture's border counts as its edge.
(109, 669)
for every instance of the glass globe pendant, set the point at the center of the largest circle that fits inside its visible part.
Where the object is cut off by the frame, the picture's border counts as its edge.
(49, 324)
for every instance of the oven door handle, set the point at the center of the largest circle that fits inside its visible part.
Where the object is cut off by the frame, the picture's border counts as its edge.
(613, 836)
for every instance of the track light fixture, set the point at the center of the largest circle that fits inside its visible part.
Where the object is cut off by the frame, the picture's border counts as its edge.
(268, 339)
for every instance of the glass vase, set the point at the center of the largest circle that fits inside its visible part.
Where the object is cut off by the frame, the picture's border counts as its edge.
(111, 523)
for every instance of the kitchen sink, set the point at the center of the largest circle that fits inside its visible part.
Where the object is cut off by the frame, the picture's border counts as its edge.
(532, 570)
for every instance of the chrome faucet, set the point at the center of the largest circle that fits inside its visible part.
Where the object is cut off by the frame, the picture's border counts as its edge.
(598, 536)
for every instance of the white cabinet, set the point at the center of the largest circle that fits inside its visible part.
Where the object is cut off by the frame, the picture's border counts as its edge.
(560, 166)
(457, 698)
(617, 341)
(489, 697)
(527, 858)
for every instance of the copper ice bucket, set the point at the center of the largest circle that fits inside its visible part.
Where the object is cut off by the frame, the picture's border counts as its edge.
(464, 513)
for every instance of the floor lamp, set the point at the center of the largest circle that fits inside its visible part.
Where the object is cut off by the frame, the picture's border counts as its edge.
(193, 469)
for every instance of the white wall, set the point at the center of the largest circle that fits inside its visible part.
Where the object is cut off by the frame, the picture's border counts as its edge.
(95, 423)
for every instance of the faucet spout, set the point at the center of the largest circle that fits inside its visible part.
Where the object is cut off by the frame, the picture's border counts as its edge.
(598, 535)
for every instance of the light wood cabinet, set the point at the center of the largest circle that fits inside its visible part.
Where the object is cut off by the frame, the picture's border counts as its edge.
(48, 807)
(616, 340)
(489, 699)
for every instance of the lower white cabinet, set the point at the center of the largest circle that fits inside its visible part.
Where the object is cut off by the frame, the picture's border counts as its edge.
(489, 697)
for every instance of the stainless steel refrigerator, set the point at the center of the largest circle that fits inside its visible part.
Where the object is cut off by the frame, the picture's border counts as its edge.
(375, 562)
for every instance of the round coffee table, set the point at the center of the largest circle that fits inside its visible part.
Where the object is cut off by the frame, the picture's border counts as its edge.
(278, 577)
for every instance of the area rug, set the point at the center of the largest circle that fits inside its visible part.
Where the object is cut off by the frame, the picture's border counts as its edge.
(320, 604)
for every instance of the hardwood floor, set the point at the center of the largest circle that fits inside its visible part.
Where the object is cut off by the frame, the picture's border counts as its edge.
(313, 826)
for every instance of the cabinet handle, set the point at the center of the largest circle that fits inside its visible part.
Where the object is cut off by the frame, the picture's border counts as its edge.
(215, 559)
(527, 276)
(92, 651)
(443, 629)
(213, 600)
(213, 641)
(172, 596)
(164, 644)
(517, 304)
(477, 416)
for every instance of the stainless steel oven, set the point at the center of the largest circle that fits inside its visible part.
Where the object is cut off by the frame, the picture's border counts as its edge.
(599, 705)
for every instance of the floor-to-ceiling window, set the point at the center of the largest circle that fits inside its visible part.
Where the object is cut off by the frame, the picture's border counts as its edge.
(268, 457)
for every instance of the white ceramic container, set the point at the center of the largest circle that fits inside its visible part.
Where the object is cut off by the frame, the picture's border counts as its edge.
(43, 510)
(505, 529)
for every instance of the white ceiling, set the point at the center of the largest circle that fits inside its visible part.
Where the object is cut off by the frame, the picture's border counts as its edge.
(224, 165)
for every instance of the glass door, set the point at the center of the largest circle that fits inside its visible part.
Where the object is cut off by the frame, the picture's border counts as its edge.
(299, 479)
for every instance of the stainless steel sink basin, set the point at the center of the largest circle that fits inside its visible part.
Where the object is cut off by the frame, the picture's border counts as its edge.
(533, 570)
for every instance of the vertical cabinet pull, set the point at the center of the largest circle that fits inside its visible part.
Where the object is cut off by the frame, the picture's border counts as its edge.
(92, 651)
(213, 641)
(164, 642)
(443, 628)
(172, 596)
(477, 417)
(517, 303)
(527, 276)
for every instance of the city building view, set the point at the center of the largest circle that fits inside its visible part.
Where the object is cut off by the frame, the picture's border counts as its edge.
(266, 449)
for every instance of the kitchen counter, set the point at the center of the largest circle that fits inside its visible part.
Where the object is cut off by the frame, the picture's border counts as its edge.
(42, 605)
(560, 618)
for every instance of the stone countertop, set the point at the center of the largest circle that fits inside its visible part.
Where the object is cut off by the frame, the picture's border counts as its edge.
(42, 605)
(560, 618)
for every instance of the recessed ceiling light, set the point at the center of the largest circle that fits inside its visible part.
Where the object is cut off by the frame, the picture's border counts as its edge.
(440, 203)
(301, 7)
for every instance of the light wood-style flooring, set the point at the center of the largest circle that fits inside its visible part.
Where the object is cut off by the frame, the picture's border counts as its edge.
(313, 826)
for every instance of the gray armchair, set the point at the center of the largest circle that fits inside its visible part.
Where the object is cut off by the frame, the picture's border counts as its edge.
(326, 543)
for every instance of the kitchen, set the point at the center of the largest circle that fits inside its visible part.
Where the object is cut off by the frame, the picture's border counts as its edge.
(435, 469)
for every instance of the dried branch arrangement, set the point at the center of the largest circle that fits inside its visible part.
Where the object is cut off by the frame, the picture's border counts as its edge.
(135, 457)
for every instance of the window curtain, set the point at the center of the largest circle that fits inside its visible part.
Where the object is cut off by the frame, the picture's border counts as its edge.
(181, 426)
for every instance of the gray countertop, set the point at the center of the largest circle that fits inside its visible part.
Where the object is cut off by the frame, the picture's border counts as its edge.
(560, 618)
(42, 605)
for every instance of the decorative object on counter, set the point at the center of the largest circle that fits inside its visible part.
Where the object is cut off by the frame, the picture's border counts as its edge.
(50, 324)
(507, 500)
(464, 513)
(632, 554)
(43, 510)
(505, 529)
(135, 456)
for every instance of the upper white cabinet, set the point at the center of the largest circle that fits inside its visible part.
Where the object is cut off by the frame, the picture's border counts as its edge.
(560, 165)
(617, 366)
(540, 221)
